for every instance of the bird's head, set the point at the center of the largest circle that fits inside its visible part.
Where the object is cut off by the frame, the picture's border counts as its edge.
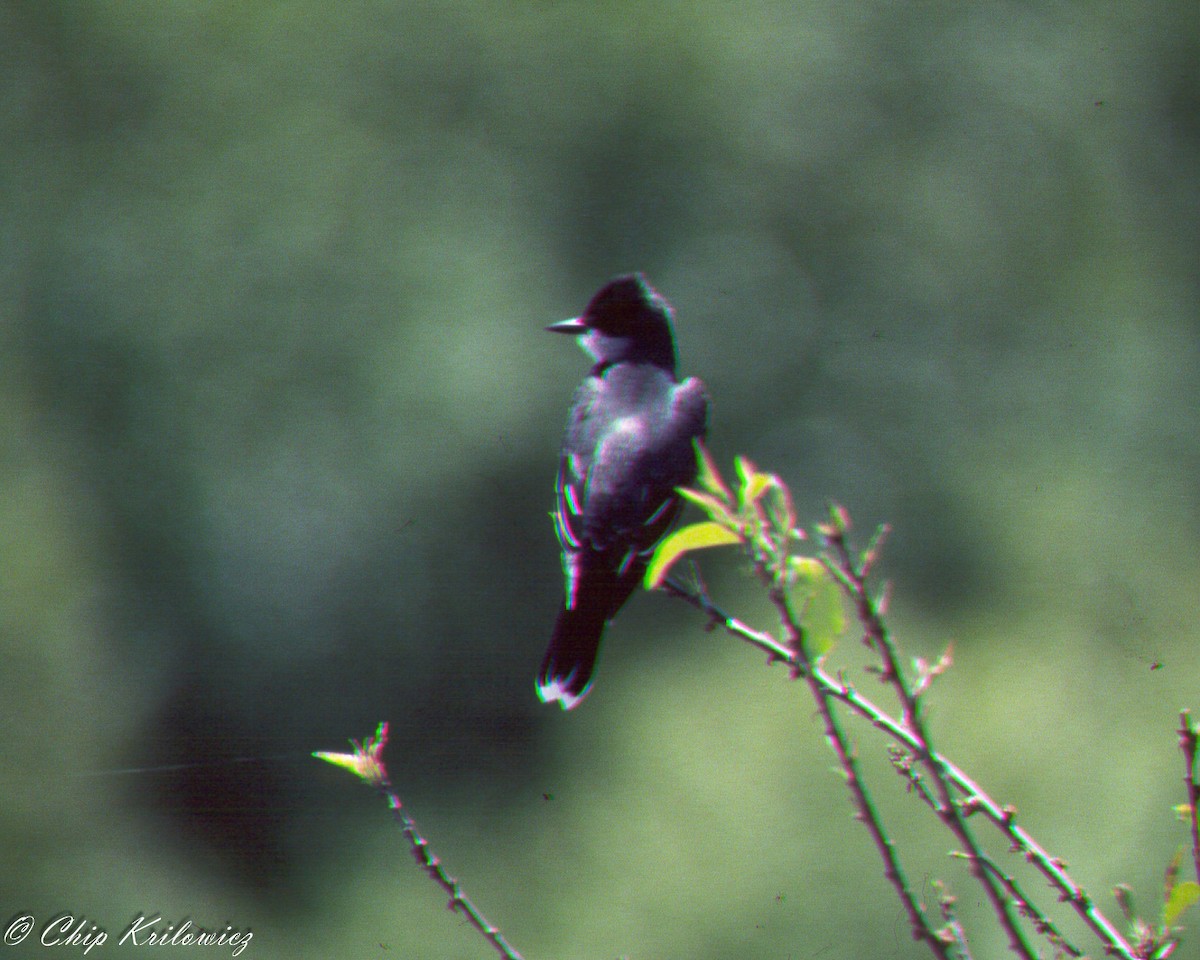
(626, 321)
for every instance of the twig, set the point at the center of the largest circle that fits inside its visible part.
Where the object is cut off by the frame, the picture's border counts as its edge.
(1052, 868)
(948, 904)
(757, 638)
(823, 690)
(853, 580)
(1188, 744)
(902, 761)
(921, 930)
(975, 798)
(1041, 923)
(367, 763)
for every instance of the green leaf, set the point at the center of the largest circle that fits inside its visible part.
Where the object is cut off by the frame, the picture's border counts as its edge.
(1171, 875)
(751, 484)
(1183, 895)
(366, 762)
(745, 470)
(1124, 896)
(822, 614)
(697, 536)
(715, 508)
(779, 510)
(756, 485)
(708, 475)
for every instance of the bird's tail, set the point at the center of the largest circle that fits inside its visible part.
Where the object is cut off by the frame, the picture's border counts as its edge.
(570, 658)
(597, 590)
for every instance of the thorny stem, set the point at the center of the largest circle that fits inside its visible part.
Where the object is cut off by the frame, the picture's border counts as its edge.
(975, 798)
(892, 870)
(1052, 868)
(433, 866)
(952, 926)
(367, 763)
(1188, 743)
(1026, 907)
(1043, 924)
(853, 578)
(902, 761)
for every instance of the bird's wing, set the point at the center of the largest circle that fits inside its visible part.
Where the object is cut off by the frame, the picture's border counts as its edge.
(630, 499)
(689, 413)
(574, 467)
(618, 473)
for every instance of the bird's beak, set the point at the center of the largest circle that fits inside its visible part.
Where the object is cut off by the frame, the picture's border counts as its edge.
(575, 325)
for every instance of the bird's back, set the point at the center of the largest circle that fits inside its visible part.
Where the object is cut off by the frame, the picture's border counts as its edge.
(632, 442)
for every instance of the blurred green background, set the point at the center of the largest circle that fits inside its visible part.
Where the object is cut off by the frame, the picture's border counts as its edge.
(281, 424)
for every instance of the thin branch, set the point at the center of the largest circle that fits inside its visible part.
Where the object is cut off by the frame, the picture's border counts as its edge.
(921, 930)
(367, 763)
(1052, 868)
(854, 582)
(1188, 744)
(1043, 924)
(756, 638)
(823, 689)
(948, 905)
(976, 799)
(902, 761)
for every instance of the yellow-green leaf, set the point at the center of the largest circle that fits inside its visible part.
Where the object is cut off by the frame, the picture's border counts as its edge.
(1123, 893)
(756, 485)
(1171, 875)
(745, 469)
(779, 510)
(708, 475)
(696, 536)
(1183, 895)
(822, 614)
(366, 761)
(714, 507)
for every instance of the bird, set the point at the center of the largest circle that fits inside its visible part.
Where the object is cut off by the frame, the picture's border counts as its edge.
(630, 442)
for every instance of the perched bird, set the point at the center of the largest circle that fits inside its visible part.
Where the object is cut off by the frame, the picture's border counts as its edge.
(629, 444)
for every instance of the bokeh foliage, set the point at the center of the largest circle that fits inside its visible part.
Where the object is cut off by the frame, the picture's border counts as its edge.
(281, 429)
